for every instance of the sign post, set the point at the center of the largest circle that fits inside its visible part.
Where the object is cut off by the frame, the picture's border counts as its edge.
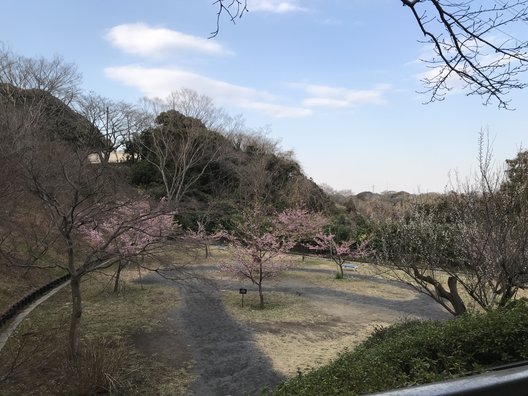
(242, 292)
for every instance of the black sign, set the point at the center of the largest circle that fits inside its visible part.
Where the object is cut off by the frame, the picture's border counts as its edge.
(243, 291)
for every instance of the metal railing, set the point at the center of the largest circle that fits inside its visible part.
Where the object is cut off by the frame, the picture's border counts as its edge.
(29, 298)
(506, 380)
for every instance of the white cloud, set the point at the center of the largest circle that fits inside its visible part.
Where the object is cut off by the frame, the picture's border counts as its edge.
(340, 97)
(159, 82)
(276, 6)
(278, 111)
(141, 39)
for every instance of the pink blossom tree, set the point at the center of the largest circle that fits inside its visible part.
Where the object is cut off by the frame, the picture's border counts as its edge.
(132, 232)
(202, 237)
(260, 244)
(339, 252)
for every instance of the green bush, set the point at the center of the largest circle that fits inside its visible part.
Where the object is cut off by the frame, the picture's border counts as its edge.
(415, 352)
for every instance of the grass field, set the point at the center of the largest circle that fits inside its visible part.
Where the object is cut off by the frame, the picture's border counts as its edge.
(34, 359)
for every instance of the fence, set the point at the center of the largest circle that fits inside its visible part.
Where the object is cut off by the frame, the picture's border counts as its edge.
(29, 298)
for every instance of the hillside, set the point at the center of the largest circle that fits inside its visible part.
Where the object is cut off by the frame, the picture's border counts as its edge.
(229, 172)
(243, 170)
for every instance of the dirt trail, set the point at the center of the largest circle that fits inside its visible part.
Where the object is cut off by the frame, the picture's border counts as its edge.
(225, 356)
(225, 353)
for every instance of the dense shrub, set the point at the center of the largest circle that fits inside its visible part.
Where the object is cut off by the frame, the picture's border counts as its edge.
(415, 352)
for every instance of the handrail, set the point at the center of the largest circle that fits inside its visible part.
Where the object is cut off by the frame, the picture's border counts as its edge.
(506, 380)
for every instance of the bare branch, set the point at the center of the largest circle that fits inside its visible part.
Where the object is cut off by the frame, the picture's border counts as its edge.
(472, 48)
(232, 8)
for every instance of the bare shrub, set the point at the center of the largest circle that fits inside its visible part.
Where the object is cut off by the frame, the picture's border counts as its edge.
(100, 369)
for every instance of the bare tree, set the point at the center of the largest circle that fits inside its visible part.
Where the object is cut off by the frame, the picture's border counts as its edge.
(78, 199)
(193, 104)
(470, 43)
(114, 122)
(180, 148)
(56, 199)
(473, 42)
(475, 238)
(53, 76)
(29, 115)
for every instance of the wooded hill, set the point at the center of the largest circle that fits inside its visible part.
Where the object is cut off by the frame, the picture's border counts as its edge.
(224, 173)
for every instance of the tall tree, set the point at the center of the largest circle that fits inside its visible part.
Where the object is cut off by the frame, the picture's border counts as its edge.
(77, 196)
(53, 76)
(114, 122)
(180, 148)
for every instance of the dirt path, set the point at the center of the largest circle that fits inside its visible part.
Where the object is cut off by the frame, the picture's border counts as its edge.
(231, 358)
(224, 354)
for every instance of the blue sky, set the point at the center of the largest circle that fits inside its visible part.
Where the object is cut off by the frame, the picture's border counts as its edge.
(336, 80)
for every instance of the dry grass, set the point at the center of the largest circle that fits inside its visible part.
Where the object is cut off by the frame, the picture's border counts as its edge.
(358, 281)
(294, 331)
(108, 319)
(279, 308)
(299, 349)
(298, 334)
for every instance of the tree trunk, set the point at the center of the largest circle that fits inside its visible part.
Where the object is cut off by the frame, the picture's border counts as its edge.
(117, 276)
(452, 296)
(341, 271)
(261, 277)
(507, 295)
(261, 295)
(206, 250)
(75, 285)
(455, 299)
(75, 324)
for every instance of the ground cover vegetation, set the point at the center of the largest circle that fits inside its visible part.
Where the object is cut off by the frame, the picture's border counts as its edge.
(417, 352)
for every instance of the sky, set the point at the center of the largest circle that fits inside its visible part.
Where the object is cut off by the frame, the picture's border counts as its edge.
(336, 81)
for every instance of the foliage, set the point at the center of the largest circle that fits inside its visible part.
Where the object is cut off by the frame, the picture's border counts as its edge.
(131, 233)
(180, 148)
(416, 352)
(216, 214)
(199, 161)
(341, 226)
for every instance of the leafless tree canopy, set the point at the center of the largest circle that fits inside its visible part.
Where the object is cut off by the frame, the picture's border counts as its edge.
(115, 122)
(473, 40)
(475, 238)
(475, 44)
(53, 76)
